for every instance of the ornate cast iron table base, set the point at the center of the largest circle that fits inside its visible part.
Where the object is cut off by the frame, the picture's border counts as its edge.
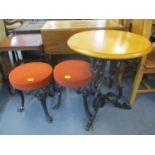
(98, 69)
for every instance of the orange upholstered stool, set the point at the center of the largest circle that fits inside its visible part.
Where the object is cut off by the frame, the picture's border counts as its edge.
(32, 76)
(74, 74)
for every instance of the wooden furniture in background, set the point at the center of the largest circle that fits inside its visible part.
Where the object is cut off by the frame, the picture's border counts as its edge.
(29, 42)
(147, 63)
(127, 23)
(137, 26)
(12, 24)
(55, 33)
(4, 61)
(25, 42)
(29, 27)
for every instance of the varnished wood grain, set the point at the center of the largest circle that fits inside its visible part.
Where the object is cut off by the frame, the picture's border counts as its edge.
(142, 27)
(110, 44)
(22, 42)
(77, 24)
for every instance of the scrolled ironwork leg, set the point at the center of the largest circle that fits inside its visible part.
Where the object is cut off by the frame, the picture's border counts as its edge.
(121, 105)
(22, 100)
(52, 89)
(114, 99)
(110, 82)
(11, 90)
(99, 101)
(2, 72)
(43, 103)
(59, 99)
(41, 94)
(110, 97)
(91, 119)
(120, 91)
(86, 107)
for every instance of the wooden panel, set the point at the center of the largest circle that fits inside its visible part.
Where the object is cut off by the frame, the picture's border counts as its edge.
(56, 33)
(142, 27)
(55, 42)
(21, 42)
(147, 26)
(137, 26)
(79, 24)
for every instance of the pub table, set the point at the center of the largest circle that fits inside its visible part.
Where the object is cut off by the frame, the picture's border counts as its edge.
(109, 45)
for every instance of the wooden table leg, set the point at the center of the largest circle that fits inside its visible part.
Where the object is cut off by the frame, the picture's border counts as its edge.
(137, 80)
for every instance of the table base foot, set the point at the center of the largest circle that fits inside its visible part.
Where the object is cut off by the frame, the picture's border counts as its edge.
(100, 100)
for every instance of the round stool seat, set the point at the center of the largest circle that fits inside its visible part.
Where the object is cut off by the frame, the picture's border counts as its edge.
(31, 76)
(73, 73)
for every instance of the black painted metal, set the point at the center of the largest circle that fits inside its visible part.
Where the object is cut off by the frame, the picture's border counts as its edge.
(22, 100)
(98, 69)
(2, 72)
(59, 92)
(86, 106)
(42, 99)
(41, 95)
(120, 91)
(57, 89)
(84, 91)
(97, 103)
(11, 90)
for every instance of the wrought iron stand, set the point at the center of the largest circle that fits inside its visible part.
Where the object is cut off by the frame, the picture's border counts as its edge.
(41, 95)
(98, 69)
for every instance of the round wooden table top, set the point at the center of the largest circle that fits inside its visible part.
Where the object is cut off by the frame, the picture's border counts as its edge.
(110, 44)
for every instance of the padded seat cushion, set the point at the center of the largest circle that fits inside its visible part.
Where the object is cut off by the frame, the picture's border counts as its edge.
(73, 73)
(31, 76)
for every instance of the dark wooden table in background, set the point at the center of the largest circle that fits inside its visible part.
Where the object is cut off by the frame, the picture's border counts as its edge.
(28, 42)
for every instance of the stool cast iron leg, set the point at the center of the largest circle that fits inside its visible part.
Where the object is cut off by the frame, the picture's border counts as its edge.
(22, 100)
(59, 92)
(41, 95)
(12, 91)
(43, 103)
